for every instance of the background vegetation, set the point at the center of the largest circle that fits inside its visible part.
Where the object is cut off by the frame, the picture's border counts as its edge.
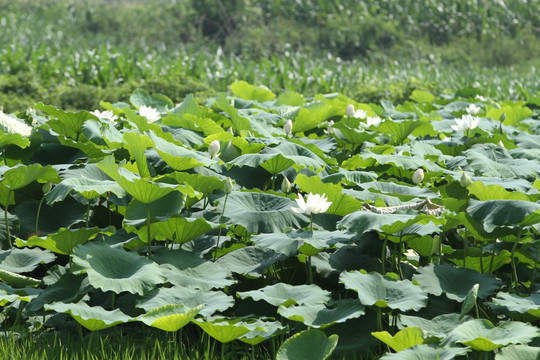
(72, 53)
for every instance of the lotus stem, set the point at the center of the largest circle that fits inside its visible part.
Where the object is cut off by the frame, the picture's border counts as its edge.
(535, 263)
(310, 271)
(492, 257)
(220, 219)
(88, 213)
(514, 271)
(311, 222)
(38, 212)
(8, 235)
(383, 255)
(148, 232)
(465, 250)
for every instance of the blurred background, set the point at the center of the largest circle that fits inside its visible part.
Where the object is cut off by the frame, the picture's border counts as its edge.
(73, 54)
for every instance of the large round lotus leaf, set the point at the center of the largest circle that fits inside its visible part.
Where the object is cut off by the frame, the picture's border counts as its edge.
(68, 288)
(212, 300)
(65, 240)
(225, 330)
(518, 352)
(21, 175)
(187, 269)
(455, 282)
(374, 289)
(250, 260)
(518, 304)
(111, 269)
(91, 317)
(24, 260)
(440, 326)
(321, 316)
(262, 213)
(170, 317)
(498, 213)
(14, 139)
(482, 335)
(404, 339)
(263, 330)
(178, 229)
(6, 298)
(285, 294)
(166, 206)
(361, 222)
(17, 281)
(308, 344)
(496, 161)
(426, 352)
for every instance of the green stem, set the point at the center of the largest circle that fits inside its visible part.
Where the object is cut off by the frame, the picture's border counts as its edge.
(440, 247)
(311, 222)
(148, 232)
(88, 213)
(514, 271)
(535, 263)
(220, 219)
(379, 319)
(310, 271)
(6, 220)
(383, 255)
(465, 250)
(273, 181)
(37, 216)
(492, 257)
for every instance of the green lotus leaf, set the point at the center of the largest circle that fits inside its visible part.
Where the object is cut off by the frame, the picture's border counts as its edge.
(481, 265)
(422, 96)
(342, 204)
(404, 339)
(24, 260)
(321, 316)
(189, 270)
(493, 160)
(290, 98)
(285, 294)
(361, 222)
(504, 213)
(247, 91)
(482, 335)
(400, 130)
(514, 113)
(189, 106)
(308, 344)
(250, 260)
(111, 269)
(470, 301)
(159, 102)
(374, 289)
(21, 175)
(213, 301)
(455, 282)
(6, 298)
(65, 240)
(164, 207)
(178, 157)
(65, 123)
(367, 159)
(351, 133)
(170, 317)
(14, 139)
(66, 289)
(518, 352)
(239, 123)
(404, 192)
(177, 229)
(141, 189)
(261, 213)
(88, 187)
(494, 192)
(136, 144)
(440, 326)
(205, 185)
(426, 352)
(91, 317)
(277, 164)
(16, 280)
(301, 155)
(517, 304)
(263, 330)
(224, 330)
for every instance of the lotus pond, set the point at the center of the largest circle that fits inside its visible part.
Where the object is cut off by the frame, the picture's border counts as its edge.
(311, 228)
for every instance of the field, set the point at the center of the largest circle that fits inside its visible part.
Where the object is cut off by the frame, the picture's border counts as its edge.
(180, 190)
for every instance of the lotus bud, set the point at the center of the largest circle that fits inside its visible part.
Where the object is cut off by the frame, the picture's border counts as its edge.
(47, 187)
(350, 110)
(330, 129)
(228, 187)
(503, 117)
(288, 127)
(465, 180)
(418, 176)
(286, 186)
(213, 148)
(501, 144)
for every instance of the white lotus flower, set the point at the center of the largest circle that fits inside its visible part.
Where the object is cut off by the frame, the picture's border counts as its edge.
(375, 120)
(286, 185)
(480, 97)
(466, 123)
(213, 148)
(473, 109)
(105, 115)
(359, 114)
(418, 176)
(288, 127)
(330, 129)
(14, 126)
(149, 113)
(315, 204)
